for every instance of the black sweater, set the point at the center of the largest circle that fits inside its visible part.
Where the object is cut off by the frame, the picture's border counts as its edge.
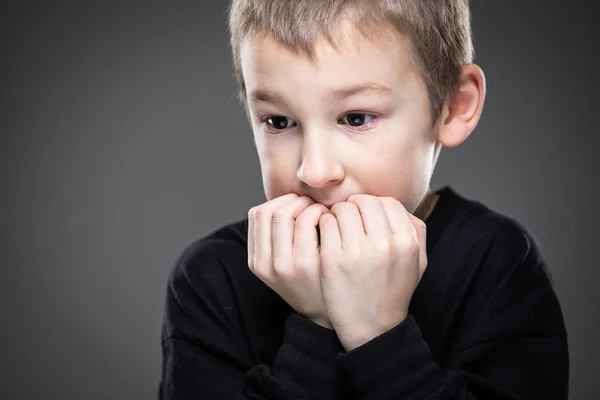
(484, 323)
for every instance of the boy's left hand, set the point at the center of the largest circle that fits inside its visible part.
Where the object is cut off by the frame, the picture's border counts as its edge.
(373, 255)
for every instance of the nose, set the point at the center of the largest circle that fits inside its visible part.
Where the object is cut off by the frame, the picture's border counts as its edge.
(320, 166)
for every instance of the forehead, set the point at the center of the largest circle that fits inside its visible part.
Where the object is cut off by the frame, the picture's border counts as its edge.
(384, 59)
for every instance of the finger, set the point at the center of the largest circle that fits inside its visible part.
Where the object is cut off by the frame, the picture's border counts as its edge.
(404, 223)
(331, 239)
(373, 216)
(421, 230)
(282, 231)
(256, 227)
(396, 216)
(306, 240)
(350, 224)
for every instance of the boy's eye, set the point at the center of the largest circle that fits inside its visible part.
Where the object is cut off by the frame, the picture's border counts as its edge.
(279, 122)
(357, 119)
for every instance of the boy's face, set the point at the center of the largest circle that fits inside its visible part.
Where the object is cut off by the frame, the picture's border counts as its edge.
(318, 136)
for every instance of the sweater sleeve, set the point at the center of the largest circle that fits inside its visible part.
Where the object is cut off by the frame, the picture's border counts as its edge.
(513, 347)
(206, 353)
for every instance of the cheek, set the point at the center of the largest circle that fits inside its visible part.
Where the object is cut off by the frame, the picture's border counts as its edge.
(397, 158)
(278, 174)
(399, 169)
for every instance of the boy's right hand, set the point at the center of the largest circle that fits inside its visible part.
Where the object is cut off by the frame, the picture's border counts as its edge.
(283, 252)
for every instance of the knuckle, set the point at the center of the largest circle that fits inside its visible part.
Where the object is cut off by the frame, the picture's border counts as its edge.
(280, 215)
(405, 242)
(352, 253)
(323, 218)
(306, 219)
(313, 208)
(260, 213)
(281, 265)
(388, 200)
(356, 196)
(253, 213)
(361, 197)
(382, 246)
(337, 206)
(343, 207)
(307, 199)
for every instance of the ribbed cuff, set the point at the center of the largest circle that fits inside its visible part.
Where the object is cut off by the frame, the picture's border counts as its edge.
(396, 360)
(307, 359)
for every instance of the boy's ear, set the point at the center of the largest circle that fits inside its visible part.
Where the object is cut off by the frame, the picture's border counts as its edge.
(460, 117)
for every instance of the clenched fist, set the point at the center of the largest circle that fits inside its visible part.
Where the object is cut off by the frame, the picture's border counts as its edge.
(373, 255)
(284, 252)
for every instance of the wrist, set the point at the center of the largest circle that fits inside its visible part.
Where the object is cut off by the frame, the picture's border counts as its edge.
(358, 337)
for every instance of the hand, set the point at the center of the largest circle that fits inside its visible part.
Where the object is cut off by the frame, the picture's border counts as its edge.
(373, 255)
(283, 252)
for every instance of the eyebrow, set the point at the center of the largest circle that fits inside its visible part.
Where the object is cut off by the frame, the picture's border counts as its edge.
(263, 96)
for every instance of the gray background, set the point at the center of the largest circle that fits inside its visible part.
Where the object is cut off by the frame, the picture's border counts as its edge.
(122, 141)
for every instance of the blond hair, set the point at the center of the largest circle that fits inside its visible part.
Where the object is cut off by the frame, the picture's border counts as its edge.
(438, 31)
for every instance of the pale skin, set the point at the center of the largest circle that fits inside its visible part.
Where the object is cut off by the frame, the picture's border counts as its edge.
(365, 186)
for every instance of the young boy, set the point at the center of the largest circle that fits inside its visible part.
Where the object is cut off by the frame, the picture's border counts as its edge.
(355, 279)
